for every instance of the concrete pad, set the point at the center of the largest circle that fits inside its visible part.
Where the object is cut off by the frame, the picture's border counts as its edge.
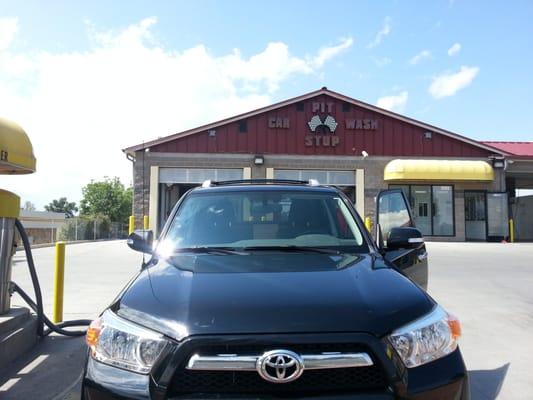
(489, 286)
(51, 370)
(18, 334)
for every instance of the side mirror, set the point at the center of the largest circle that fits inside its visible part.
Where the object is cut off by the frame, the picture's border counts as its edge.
(404, 238)
(141, 240)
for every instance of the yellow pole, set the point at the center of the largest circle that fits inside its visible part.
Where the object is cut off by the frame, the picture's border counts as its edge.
(59, 282)
(511, 230)
(368, 224)
(145, 221)
(132, 225)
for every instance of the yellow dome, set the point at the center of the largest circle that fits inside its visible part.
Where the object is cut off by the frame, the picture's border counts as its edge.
(16, 151)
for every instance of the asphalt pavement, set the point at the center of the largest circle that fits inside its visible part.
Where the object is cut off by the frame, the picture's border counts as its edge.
(489, 286)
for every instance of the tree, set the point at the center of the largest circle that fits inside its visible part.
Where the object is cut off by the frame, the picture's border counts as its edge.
(62, 206)
(108, 198)
(28, 206)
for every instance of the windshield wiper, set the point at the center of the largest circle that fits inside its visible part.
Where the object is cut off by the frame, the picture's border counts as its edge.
(207, 250)
(295, 249)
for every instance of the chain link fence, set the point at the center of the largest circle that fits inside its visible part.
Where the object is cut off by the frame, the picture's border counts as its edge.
(87, 228)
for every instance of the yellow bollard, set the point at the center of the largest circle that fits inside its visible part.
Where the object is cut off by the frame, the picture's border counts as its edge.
(132, 225)
(59, 282)
(145, 222)
(511, 230)
(368, 224)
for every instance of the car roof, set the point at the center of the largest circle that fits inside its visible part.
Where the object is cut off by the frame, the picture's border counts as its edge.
(263, 185)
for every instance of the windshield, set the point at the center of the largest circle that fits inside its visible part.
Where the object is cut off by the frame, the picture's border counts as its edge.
(256, 220)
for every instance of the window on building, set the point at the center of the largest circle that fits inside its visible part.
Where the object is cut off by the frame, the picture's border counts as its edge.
(432, 208)
(345, 107)
(300, 106)
(343, 179)
(243, 126)
(443, 211)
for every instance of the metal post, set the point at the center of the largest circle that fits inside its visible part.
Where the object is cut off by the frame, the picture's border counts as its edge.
(59, 282)
(94, 230)
(7, 232)
(75, 228)
(368, 224)
(511, 230)
(146, 222)
(132, 225)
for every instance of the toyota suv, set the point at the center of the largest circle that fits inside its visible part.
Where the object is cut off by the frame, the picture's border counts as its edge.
(275, 289)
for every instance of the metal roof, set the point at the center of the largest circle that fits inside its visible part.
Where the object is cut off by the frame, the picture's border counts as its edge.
(513, 148)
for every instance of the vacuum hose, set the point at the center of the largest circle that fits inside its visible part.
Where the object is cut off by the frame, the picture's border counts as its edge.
(37, 305)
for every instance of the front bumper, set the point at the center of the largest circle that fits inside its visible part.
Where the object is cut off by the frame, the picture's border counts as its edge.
(442, 379)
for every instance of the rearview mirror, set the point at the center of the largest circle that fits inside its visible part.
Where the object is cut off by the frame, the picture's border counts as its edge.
(404, 238)
(141, 240)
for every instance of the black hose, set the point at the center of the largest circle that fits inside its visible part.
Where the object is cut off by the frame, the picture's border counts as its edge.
(37, 305)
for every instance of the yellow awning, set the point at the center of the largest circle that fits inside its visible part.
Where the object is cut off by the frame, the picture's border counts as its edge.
(16, 151)
(442, 170)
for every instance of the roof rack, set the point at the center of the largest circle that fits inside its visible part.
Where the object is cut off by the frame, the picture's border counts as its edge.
(310, 182)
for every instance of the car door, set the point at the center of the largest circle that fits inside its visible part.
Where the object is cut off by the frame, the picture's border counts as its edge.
(393, 211)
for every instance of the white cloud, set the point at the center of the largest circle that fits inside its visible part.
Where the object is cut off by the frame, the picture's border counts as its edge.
(381, 62)
(456, 48)
(394, 103)
(382, 33)
(423, 55)
(326, 53)
(8, 30)
(449, 83)
(81, 108)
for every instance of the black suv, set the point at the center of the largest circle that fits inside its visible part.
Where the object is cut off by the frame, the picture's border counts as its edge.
(275, 289)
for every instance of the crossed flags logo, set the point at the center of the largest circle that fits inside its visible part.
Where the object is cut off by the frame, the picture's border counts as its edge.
(329, 121)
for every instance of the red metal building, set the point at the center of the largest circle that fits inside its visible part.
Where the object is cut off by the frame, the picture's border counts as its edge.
(453, 182)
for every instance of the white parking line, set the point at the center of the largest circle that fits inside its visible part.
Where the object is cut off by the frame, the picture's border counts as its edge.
(32, 365)
(9, 384)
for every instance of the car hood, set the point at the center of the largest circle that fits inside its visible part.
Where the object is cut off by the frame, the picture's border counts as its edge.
(286, 293)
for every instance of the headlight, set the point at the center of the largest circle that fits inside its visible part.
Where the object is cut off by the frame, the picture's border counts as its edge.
(120, 343)
(426, 339)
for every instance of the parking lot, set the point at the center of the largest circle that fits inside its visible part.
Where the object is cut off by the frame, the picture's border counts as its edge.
(489, 286)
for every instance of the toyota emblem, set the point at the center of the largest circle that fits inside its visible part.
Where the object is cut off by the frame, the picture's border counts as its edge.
(280, 366)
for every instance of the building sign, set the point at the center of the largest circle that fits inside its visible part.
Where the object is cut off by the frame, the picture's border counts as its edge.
(328, 139)
(362, 124)
(278, 122)
(322, 140)
(329, 122)
(323, 126)
(323, 107)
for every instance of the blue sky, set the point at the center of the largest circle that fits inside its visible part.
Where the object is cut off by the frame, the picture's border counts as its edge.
(105, 75)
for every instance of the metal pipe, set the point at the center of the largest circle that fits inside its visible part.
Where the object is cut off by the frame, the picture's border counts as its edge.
(146, 224)
(7, 249)
(131, 227)
(59, 282)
